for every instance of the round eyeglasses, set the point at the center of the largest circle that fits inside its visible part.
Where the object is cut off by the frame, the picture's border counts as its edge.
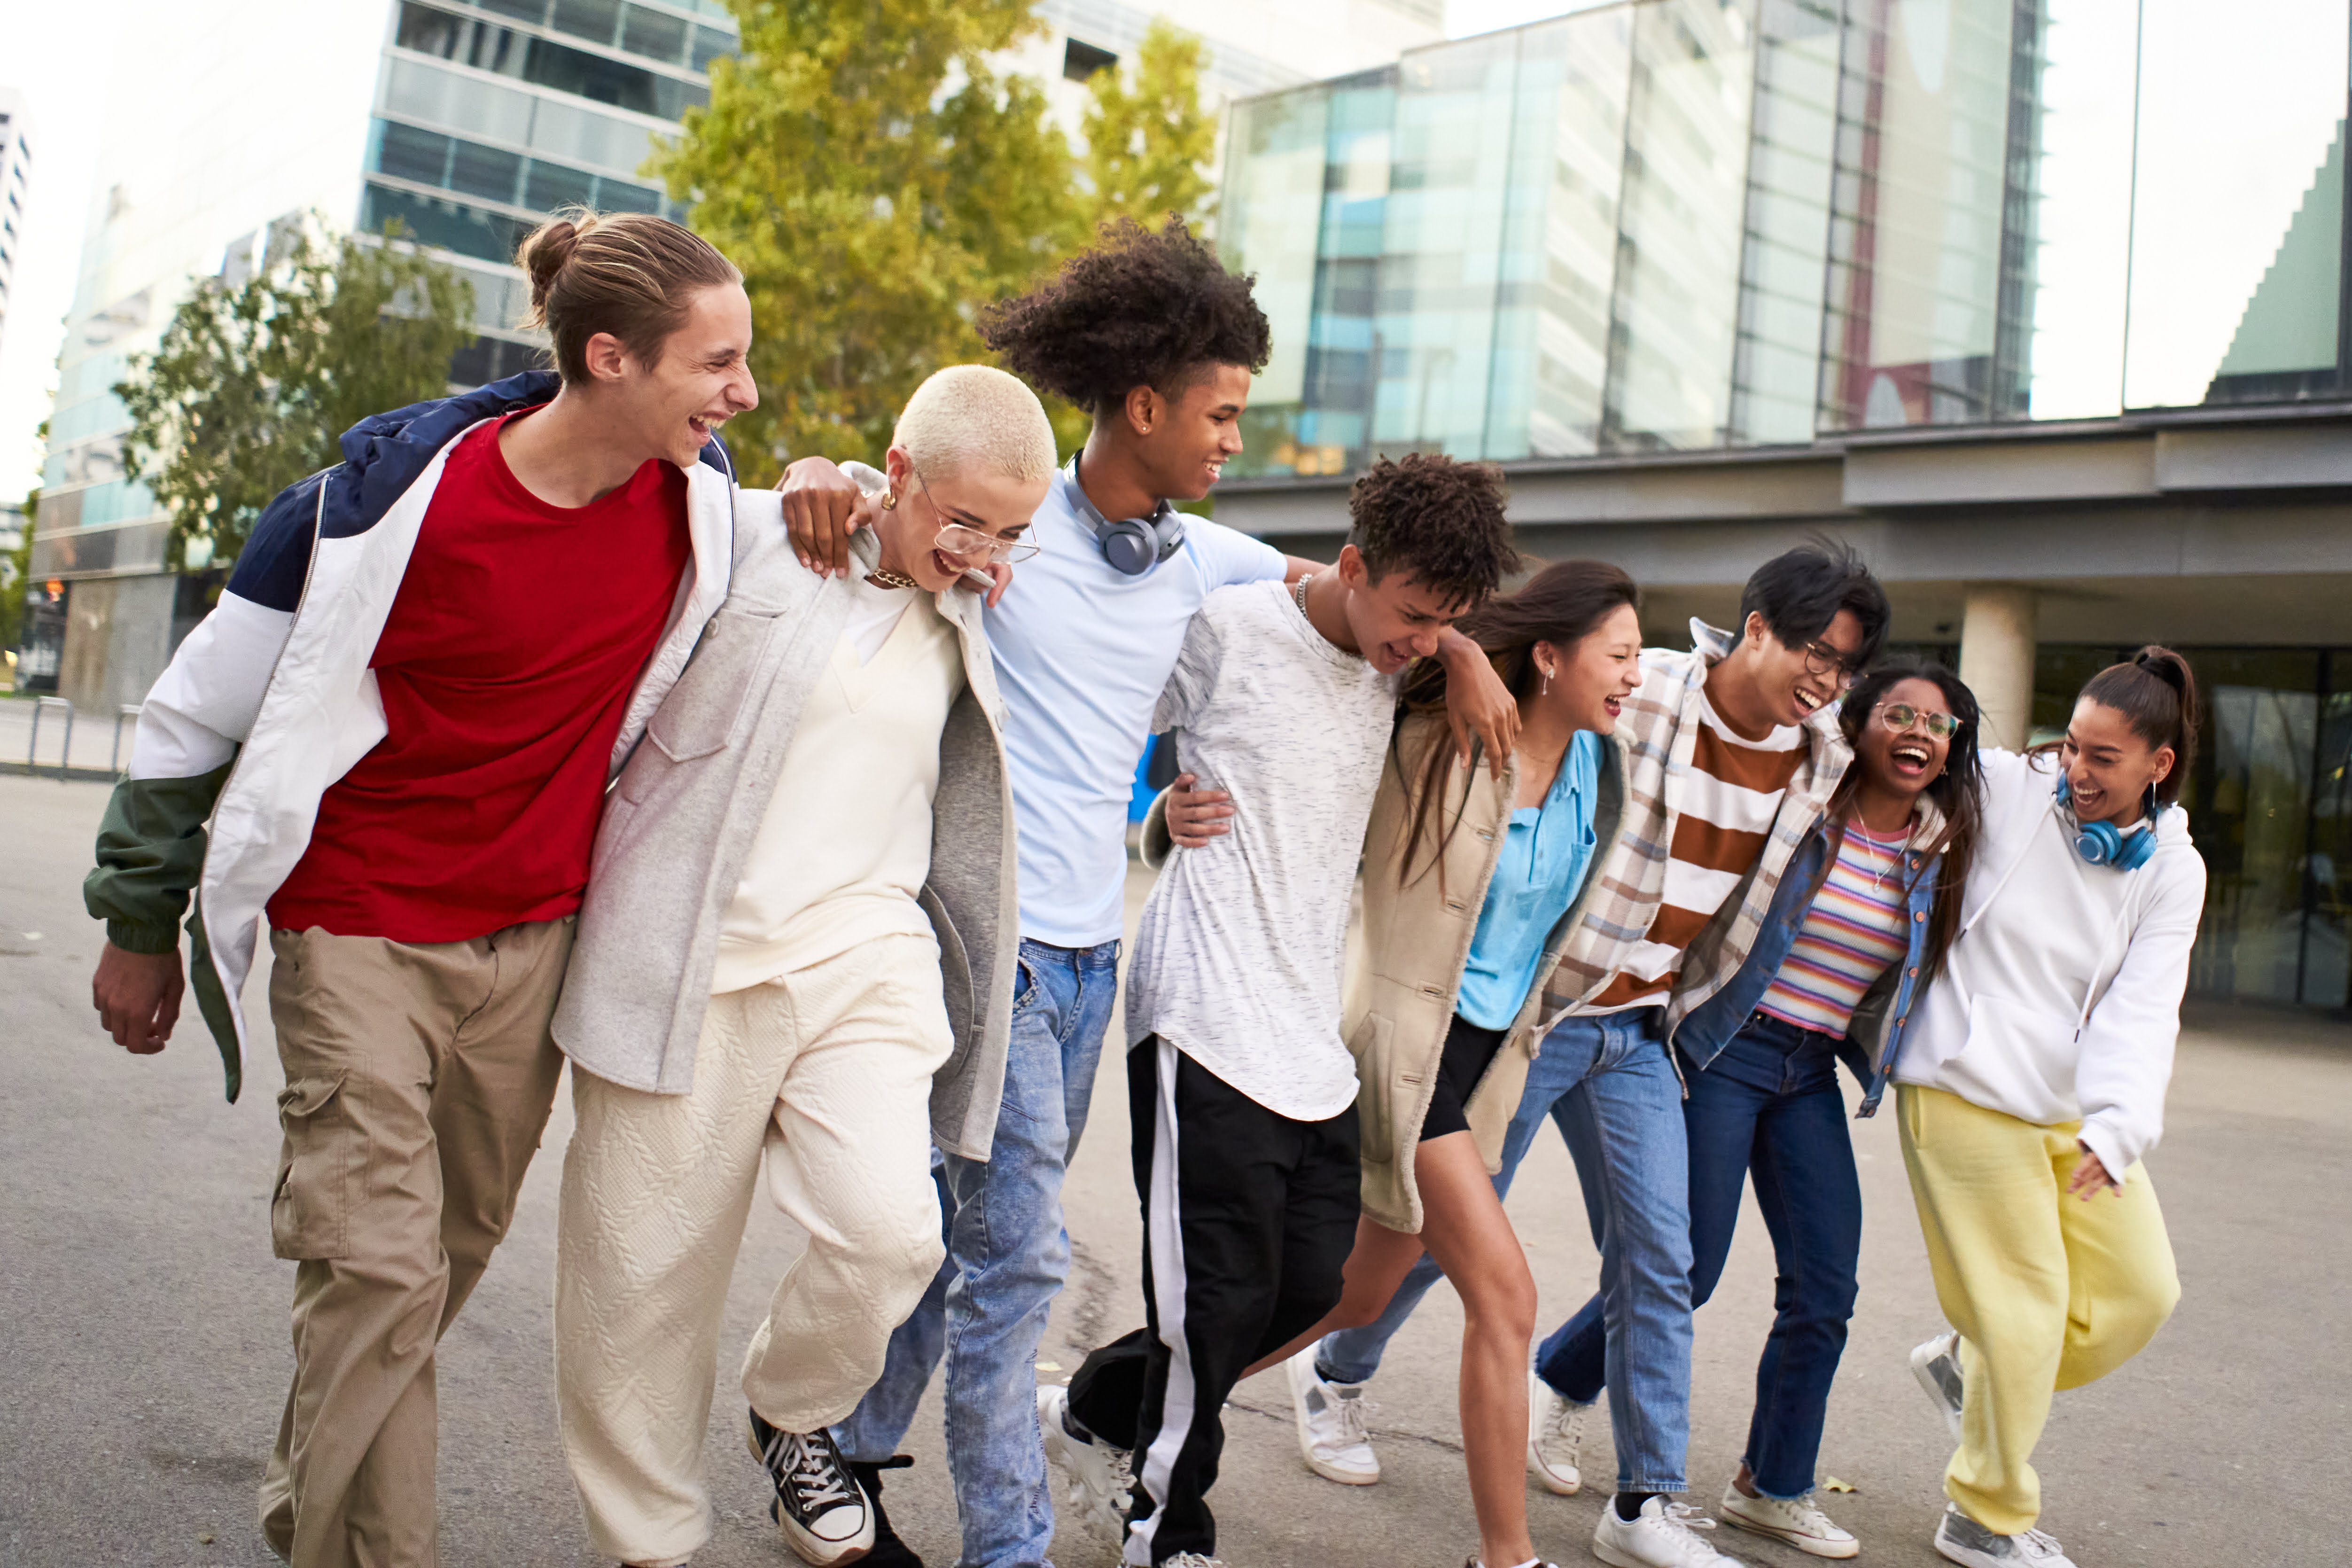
(1901, 716)
(965, 544)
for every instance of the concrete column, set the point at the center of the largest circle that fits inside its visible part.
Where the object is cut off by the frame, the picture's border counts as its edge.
(1996, 659)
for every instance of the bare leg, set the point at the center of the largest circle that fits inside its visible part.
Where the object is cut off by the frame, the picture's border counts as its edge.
(1465, 1228)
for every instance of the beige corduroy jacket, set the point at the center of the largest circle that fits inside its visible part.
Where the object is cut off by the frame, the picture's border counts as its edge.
(1407, 968)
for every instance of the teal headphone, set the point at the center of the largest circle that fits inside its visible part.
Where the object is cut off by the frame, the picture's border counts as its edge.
(2102, 844)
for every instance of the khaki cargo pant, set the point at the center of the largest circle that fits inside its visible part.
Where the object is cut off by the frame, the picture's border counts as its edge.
(418, 1080)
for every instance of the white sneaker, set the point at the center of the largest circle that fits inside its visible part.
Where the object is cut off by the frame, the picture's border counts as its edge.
(1937, 1365)
(1331, 1434)
(1193, 1560)
(1796, 1520)
(1960, 1539)
(1555, 1435)
(1665, 1536)
(1100, 1484)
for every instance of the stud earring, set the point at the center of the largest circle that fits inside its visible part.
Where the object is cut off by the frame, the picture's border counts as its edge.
(889, 500)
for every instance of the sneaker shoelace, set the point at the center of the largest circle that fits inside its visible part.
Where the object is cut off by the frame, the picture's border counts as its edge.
(1808, 1515)
(1566, 1424)
(2043, 1547)
(1352, 1415)
(816, 1480)
(1681, 1522)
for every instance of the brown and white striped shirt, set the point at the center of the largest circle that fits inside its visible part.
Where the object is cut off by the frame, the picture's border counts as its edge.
(1733, 791)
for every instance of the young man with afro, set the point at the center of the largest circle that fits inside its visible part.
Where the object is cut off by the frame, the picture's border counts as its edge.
(1241, 1092)
(1151, 335)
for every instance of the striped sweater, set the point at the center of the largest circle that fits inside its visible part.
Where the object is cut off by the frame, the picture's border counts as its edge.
(1660, 729)
(1853, 930)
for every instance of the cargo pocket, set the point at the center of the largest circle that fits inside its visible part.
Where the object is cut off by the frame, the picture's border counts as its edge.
(310, 1210)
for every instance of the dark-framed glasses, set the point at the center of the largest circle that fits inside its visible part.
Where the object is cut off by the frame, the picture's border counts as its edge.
(1901, 716)
(1821, 658)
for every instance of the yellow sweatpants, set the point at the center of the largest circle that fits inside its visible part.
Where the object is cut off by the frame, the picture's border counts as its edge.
(2047, 1291)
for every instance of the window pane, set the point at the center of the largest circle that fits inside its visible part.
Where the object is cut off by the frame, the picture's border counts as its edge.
(522, 10)
(2250, 794)
(709, 43)
(1776, 369)
(620, 196)
(553, 186)
(1443, 244)
(1675, 307)
(1916, 246)
(595, 77)
(412, 154)
(2327, 930)
(2238, 201)
(1268, 222)
(2081, 221)
(415, 90)
(575, 135)
(598, 21)
(654, 34)
(450, 225)
(480, 171)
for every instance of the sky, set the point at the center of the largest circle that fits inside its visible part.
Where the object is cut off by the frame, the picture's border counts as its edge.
(46, 53)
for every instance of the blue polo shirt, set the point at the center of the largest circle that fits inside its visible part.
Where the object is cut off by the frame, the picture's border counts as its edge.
(1546, 853)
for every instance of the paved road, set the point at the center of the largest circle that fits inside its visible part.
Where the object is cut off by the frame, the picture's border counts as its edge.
(143, 1346)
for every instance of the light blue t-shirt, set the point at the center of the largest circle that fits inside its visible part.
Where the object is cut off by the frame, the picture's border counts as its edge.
(1546, 853)
(1082, 653)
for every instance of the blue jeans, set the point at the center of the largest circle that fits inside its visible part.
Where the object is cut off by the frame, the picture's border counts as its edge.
(1606, 1083)
(1769, 1105)
(1007, 1257)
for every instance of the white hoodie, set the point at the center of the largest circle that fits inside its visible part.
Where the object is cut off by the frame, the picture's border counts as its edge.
(2061, 999)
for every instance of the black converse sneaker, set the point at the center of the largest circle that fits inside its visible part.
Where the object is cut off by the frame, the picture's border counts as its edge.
(819, 1505)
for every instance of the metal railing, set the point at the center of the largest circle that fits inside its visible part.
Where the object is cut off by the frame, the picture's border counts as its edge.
(65, 753)
(126, 714)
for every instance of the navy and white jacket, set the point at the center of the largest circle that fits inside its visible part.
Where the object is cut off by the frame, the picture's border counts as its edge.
(271, 700)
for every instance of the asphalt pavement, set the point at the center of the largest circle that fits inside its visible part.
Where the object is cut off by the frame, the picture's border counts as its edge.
(144, 1346)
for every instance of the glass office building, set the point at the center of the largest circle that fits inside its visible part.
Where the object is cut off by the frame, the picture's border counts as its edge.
(2042, 301)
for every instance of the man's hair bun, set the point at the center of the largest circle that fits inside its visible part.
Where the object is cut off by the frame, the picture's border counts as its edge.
(544, 252)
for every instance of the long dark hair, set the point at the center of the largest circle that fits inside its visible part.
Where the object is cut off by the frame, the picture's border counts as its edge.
(1957, 791)
(2157, 696)
(1562, 605)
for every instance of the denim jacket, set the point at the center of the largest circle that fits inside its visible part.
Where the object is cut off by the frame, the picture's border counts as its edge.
(1709, 1027)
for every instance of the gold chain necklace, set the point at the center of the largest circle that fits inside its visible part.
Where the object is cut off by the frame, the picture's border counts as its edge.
(883, 577)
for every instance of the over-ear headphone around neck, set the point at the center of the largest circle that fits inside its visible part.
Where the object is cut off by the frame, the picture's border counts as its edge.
(2103, 844)
(1133, 545)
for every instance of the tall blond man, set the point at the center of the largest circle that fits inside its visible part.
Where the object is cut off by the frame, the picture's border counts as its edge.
(800, 932)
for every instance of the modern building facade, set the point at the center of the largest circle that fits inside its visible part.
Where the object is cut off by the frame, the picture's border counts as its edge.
(465, 122)
(16, 173)
(2042, 302)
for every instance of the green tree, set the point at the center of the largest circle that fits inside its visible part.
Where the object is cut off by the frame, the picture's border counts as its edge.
(252, 385)
(1148, 141)
(877, 181)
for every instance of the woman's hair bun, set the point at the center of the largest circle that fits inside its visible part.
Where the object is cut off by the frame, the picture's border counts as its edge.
(2166, 666)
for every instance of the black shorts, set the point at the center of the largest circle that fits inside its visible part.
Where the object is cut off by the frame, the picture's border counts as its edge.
(1468, 1049)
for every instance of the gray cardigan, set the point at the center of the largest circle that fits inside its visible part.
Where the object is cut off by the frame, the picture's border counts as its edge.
(682, 817)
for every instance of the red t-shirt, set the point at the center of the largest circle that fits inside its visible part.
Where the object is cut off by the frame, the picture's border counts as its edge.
(509, 655)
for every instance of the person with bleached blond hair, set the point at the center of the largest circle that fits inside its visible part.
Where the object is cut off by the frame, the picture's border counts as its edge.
(800, 932)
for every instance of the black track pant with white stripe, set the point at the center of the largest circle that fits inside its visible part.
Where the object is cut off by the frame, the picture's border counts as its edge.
(1248, 1217)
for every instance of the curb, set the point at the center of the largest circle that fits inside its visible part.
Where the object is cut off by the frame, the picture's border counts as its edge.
(62, 773)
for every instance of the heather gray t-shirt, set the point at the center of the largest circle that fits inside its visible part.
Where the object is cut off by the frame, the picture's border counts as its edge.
(1238, 960)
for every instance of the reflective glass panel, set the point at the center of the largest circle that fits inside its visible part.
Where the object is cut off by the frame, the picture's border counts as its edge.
(552, 185)
(1675, 310)
(598, 21)
(1775, 368)
(654, 33)
(1559, 239)
(1343, 341)
(2249, 803)
(709, 43)
(412, 154)
(2082, 211)
(2327, 928)
(2237, 203)
(1435, 325)
(1268, 223)
(1915, 282)
(480, 171)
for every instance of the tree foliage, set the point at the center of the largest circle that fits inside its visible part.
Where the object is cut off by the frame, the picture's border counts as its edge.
(876, 180)
(252, 385)
(1148, 139)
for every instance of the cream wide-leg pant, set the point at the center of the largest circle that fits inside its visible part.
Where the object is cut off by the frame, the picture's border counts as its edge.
(2047, 1291)
(827, 1071)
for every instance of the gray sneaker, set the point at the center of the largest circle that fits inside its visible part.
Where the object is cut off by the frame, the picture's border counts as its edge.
(1937, 1365)
(1962, 1539)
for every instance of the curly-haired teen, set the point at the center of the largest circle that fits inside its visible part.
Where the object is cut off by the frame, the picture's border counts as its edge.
(1152, 335)
(1242, 1093)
